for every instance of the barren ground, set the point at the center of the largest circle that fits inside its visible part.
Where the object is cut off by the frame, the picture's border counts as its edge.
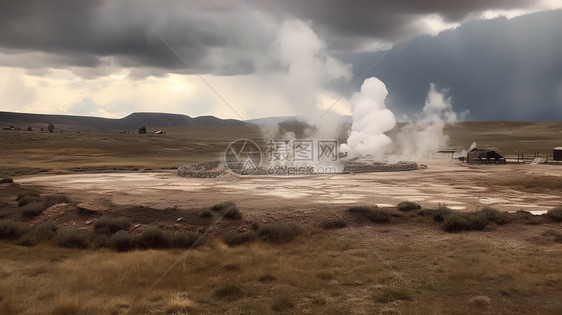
(409, 265)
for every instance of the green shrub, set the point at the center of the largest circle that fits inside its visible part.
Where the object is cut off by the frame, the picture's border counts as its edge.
(10, 229)
(236, 238)
(408, 206)
(183, 239)
(27, 197)
(460, 221)
(334, 224)
(72, 239)
(45, 231)
(555, 214)
(279, 232)
(122, 241)
(438, 214)
(494, 215)
(153, 237)
(111, 225)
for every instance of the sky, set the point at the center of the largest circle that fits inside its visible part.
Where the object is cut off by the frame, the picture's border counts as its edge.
(495, 59)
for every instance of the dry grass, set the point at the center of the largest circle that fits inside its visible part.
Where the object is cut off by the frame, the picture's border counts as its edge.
(526, 183)
(317, 274)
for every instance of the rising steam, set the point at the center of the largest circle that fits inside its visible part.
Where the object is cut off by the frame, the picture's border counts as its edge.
(371, 119)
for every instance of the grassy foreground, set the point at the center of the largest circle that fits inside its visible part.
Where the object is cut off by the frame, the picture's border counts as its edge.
(366, 269)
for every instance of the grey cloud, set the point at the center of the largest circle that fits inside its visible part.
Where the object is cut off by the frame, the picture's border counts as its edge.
(498, 69)
(218, 37)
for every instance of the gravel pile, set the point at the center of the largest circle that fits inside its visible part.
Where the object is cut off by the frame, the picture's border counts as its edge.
(351, 167)
(207, 169)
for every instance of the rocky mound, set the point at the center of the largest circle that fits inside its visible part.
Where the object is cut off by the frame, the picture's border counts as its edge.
(351, 167)
(207, 169)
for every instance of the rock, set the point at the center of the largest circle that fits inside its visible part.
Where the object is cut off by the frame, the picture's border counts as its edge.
(136, 226)
(89, 222)
(179, 220)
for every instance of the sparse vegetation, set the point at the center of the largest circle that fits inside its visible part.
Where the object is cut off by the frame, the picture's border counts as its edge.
(51, 128)
(27, 197)
(109, 226)
(282, 304)
(33, 209)
(10, 229)
(72, 239)
(236, 238)
(228, 210)
(122, 241)
(464, 221)
(229, 292)
(372, 213)
(279, 232)
(334, 224)
(51, 200)
(390, 294)
(45, 231)
(206, 213)
(555, 214)
(438, 214)
(8, 180)
(556, 235)
(494, 215)
(183, 239)
(408, 206)
(153, 237)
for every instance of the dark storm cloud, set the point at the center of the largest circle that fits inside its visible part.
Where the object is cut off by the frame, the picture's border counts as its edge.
(219, 37)
(498, 69)
(347, 24)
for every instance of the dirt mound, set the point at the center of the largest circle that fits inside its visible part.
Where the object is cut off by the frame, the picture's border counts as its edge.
(207, 169)
(228, 176)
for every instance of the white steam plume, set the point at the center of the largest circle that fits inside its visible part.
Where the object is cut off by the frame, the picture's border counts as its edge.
(309, 68)
(419, 139)
(371, 119)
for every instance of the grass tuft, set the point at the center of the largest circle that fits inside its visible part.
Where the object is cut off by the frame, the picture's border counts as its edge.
(438, 214)
(229, 292)
(279, 232)
(372, 213)
(236, 238)
(33, 208)
(462, 221)
(72, 239)
(10, 229)
(334, 224)
(109, 226)
(388, 295)
(555, 214)
(27, 198)
(408, 206)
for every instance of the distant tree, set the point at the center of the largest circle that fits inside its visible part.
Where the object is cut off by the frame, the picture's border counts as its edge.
(29, 129)
(51, 128)
(142, 130)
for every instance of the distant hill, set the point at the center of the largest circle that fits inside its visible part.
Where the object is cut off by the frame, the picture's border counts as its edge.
(133, 121)
(287, 120)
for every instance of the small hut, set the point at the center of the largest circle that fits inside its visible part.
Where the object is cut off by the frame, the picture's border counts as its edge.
(557, 154)
(484, 156)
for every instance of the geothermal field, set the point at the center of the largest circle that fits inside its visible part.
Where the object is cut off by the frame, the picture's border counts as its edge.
(112, 228)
